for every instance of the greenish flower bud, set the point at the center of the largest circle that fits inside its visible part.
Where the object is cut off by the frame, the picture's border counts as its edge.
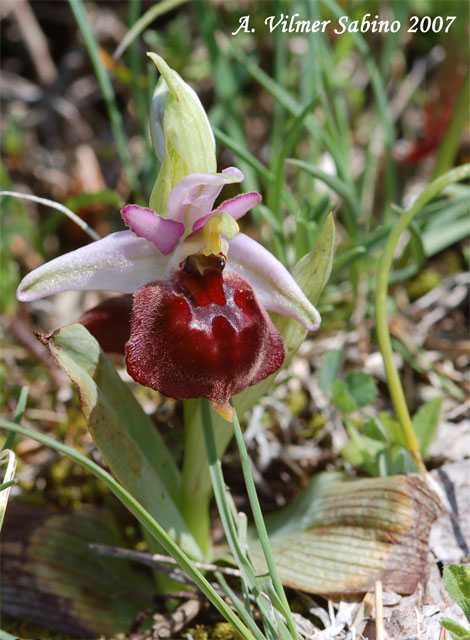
(181, 134)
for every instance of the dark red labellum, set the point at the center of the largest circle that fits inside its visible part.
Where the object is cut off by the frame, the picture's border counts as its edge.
(110, 323)
(201, 335)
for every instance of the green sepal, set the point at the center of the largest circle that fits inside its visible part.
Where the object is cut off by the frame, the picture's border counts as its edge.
(181, 134)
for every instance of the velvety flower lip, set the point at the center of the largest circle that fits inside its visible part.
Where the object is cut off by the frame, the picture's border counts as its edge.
(201, 336)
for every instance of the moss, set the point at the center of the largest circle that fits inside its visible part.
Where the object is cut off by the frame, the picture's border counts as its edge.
(221, 631)
(19, 629)
(225, 631)
(199, 632)
(315, 425)
(297, 402)
(424, 282)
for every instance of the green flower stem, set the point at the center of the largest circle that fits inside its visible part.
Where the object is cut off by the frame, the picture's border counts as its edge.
(144, 518)
(218, 484)
(196, 485)
(195, 494)
(195, 511)
(225, 511)
(450, 145)
(383, 334)
(260, 524)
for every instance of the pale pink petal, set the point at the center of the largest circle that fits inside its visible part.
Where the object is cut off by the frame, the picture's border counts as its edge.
(145, 223)
(119, 262)
(235, 207)
(274, 286)
(194, 196)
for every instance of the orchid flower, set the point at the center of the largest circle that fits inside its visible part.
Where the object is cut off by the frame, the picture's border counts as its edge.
(198, 324)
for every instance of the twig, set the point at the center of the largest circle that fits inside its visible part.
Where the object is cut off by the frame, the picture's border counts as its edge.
(379, 612)
(55, 205)
(156, 559)
(167, 626)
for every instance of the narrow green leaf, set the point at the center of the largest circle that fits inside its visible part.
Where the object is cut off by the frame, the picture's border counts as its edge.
(393, 427)
(439, 238)
(457, 579)
(156, 10)
(347, 257)
(7, 459)
(225, 82)
(242, 152)
(283, 97)
(425, 423)
(290, 140)
(336, 184)
(19, 411)
(398, 459)
(329, 369)
(457, 632)
(104, 81)
(125, 435)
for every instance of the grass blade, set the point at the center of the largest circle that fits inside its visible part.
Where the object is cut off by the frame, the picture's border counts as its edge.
(104, 81)
(20, 408)
(339, 187)
(155, 11)
(157, 532)
(55, 205)
(260, 525)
